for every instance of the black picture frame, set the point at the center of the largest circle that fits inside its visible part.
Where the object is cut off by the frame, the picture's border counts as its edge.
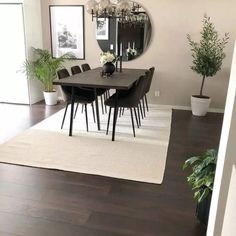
(102, 29)
(67, 30)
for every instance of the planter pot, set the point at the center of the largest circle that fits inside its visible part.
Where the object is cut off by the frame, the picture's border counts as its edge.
(202, 210)
(108, 68)
(50, 98)
(200, 105)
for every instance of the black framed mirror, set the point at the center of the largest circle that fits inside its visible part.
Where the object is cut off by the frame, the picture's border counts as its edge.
(129, 36)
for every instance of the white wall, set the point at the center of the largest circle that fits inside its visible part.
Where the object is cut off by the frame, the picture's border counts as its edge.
(33, 34)
(169, 51)
(226, 160)
(229, 226)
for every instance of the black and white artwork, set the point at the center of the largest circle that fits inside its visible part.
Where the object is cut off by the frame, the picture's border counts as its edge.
(102, 29)
(67, 30)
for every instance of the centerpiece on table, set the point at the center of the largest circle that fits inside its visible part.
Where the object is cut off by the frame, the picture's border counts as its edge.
(108, 60)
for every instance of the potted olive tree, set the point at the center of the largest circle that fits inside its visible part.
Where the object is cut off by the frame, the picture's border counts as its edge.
(201, 180)
(207, 55)
(44, 68)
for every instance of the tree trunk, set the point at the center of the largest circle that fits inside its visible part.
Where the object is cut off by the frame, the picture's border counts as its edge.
(203, 81)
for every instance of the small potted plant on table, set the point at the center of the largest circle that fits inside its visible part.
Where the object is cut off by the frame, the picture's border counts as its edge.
(201, 180)
(44, 68)
(207, 55)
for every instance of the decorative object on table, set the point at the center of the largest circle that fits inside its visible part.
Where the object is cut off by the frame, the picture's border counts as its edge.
(207, 55)
(107, 60)
(44, 68)
(201, 180)
(102, 29)
(67, 30)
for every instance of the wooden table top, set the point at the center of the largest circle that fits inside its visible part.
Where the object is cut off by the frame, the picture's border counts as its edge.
(93, 79)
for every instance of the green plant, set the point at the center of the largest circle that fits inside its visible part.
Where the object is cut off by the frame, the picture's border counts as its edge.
(44, 68)
(208, 54)
(203, 172)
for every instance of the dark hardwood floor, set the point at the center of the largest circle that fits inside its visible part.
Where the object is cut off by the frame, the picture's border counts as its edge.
(41, 202)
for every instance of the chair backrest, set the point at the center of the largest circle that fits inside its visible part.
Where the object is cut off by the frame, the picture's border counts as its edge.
(85, 67)
(133, 97)
(150, 76)
(75, 70)
(63, 73)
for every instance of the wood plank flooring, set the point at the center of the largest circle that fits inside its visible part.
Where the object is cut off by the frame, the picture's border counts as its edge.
(41, 202)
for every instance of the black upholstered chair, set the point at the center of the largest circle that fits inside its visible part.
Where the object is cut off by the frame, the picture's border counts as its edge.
(75, 70)
(129, 100)
(85, 67)
(148, 84)
(82, 96)
(102, 93)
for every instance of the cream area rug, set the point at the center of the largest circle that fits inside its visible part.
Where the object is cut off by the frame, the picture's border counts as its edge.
(142, 158)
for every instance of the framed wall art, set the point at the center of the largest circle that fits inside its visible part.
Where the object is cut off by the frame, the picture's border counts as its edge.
(102, 29)
(67, 30)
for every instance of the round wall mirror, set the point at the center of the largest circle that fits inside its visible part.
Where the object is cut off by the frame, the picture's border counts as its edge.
(128, 35)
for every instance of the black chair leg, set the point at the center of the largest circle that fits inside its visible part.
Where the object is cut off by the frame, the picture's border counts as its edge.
(132, 119)
(120, 111)
(104, 96)
(145, 97)
(102, 105)
(136, 117)
(93, 113)
(144, 114)
(108, 121)
(76, 110)
(123, 111)
(86, 115)
(140, 107)
(64, 116)
(139, 118)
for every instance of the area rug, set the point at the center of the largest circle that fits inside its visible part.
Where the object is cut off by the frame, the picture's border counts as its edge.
(142, 158)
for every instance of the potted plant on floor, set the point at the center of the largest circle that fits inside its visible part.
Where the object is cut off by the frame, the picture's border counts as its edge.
(201, 180)
(207, 55)
(44, 68)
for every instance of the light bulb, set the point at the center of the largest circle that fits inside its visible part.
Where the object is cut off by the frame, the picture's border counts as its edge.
(104, 4)
(123, 6)
(91, 6)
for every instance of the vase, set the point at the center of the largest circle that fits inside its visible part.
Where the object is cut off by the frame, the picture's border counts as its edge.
(108, 68)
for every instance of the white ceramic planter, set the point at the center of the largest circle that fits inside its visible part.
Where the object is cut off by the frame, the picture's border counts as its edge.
(50, 98)
(200, 106)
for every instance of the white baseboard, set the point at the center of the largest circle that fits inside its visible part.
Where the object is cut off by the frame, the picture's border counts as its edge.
(187, 108)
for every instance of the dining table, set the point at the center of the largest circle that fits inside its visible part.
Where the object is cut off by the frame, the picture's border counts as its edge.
(94, 79)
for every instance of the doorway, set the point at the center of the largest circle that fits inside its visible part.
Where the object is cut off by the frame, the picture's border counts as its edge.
(13, 83)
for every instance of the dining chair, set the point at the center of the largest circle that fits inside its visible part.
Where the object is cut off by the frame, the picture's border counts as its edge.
(128, 100)
(85, 67)
(75, 70)
(102, 93)
(148, 85)
(82, 96)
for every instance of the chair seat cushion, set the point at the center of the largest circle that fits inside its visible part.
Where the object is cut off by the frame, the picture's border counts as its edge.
(123, 101)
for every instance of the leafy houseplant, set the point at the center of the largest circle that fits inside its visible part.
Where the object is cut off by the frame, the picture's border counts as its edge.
(44, 68)
(207, 55)
(202, 179)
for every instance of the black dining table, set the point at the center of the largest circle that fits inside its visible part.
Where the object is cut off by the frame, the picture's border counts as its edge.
(93, 79)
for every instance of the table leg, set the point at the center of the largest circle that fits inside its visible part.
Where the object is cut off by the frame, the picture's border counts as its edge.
(115, 116)
(97, 108)
(72, 110)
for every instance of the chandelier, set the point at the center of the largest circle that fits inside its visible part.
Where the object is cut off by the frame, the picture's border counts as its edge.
(124, 10)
